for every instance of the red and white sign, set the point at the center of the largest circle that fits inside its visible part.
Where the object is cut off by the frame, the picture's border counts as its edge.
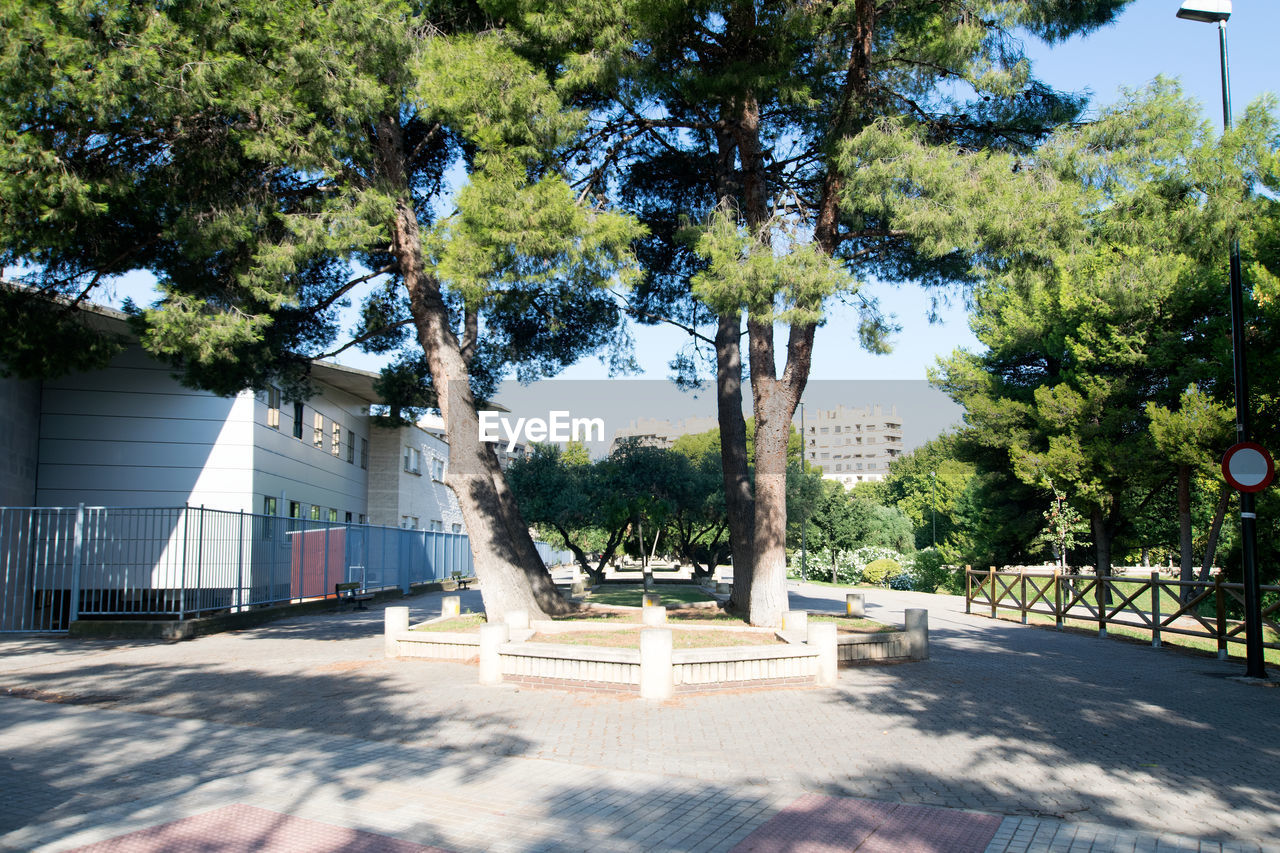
(1248, 467)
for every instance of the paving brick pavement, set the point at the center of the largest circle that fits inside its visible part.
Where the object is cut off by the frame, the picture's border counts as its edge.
(1081, 743)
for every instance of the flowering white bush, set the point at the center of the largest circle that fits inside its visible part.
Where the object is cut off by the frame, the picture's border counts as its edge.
(850, 565)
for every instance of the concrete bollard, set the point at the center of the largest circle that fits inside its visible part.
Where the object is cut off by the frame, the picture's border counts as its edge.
(822, 636)
(917, 625)
(795, 620)
(652, 599)
(491, 639)
(517, 620)
(855, 605)
(451, 605)
(654, 616)
(657, 678)
(394, 620)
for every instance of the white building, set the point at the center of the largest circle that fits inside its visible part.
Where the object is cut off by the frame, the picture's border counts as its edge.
(131, 435)
(407, 466)
(651, 432)
(852, 446)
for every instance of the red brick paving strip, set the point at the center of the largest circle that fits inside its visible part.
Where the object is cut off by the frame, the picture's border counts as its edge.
(241, 829)
(818, 824)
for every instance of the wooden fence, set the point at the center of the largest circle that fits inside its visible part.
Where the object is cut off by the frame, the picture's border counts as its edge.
(1153, 604)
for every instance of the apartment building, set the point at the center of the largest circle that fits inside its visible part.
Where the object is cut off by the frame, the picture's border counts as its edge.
(851, 445)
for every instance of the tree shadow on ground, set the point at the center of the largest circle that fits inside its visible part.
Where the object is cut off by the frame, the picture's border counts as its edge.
(1102, 721)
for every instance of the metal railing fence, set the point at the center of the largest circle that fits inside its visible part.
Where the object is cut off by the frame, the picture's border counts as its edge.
(1154, 604)
(59, 564)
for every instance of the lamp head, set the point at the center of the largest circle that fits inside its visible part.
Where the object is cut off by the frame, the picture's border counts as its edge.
(1205, 11)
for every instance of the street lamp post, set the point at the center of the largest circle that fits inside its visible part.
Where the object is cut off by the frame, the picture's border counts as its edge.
(933, 504)
(1217, 12)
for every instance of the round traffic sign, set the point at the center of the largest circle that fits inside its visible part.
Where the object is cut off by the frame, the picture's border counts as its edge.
(1248, 467)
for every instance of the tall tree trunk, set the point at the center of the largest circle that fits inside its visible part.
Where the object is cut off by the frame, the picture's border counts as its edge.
(776, 400)
(1211, 546)
(511, 574)
(1187, 565)
(1103, 533)
(738, 500)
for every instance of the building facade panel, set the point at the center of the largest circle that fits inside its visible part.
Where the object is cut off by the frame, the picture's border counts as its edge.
(19, 440)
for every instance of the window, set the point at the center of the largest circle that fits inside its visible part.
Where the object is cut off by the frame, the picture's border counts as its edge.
(362, 518)
(348, 518)
(837, 430)
(351, 447)
(437, 469)
(412, 460)
(317, 423)
(824, 431)
(364, 453)
(871, 465)
(437, 525)
(457, 528)
(333, 515)
(295, 509)
(268, 506)
(409, 522)
(315, 512)
(273, 407)
(335, 446)
(297, 420)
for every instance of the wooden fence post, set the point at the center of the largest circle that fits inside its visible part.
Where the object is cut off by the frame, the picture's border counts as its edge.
(1022, 604)
(1221, 602)
(1057, 599)
(1155, 609)
(991, 576)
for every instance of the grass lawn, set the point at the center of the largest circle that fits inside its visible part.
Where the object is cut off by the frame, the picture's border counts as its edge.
(1196, 644)
(631, 595)
(465, 622)
(680, 639)
(851, 625)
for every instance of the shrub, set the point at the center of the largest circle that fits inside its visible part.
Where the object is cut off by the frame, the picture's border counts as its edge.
(903, 581)
(930, 570)
(879, 571)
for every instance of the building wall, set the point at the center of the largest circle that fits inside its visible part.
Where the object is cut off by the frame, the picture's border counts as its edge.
(852, 446)
(131, 435)
(400, 497)
(19, 441)
(295, 470)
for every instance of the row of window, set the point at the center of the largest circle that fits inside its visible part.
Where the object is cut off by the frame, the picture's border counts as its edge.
(435, 525)
(314, 512)
(413, 464)
(851, 466)
(837, 430)
(320, 435)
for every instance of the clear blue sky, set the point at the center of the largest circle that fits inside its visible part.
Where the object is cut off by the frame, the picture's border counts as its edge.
(1146, 41)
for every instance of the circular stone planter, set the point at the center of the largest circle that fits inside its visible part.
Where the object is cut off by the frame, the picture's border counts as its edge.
(656, 670)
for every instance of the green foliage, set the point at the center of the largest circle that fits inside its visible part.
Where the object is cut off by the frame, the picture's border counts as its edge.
(879, 571)
(927, 485)
(255, 158)
(1098, 325)
(929, 570)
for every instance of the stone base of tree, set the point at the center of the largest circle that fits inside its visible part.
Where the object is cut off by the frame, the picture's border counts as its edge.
(655, 670)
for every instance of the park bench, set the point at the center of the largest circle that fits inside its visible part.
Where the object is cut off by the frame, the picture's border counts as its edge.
(351, 591)
(462, 583)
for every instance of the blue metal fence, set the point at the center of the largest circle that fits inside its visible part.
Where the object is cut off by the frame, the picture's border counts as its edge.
(59, 564)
